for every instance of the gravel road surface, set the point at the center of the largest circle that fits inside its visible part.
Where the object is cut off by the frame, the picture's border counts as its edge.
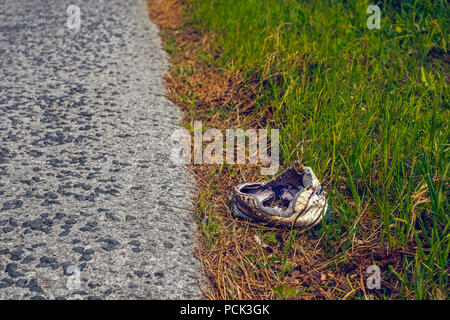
(84, 157)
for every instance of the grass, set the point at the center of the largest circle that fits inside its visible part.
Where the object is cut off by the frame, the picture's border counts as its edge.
(367, 109)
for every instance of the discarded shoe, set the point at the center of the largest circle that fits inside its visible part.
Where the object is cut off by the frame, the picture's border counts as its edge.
(294, 198)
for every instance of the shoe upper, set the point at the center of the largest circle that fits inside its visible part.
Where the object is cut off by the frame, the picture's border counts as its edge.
(294, 198)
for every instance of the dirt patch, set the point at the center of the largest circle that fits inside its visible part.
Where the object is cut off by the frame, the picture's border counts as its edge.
(165, 13)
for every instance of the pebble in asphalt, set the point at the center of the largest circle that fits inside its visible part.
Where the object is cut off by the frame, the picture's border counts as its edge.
(84, 157)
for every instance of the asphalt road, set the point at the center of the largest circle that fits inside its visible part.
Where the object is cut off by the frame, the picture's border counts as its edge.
(84, 157)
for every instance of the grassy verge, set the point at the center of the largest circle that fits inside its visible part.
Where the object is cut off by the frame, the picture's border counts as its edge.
(366, 109)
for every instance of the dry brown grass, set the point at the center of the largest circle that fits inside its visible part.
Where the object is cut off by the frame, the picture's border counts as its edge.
(165, 13)
(244, 260)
